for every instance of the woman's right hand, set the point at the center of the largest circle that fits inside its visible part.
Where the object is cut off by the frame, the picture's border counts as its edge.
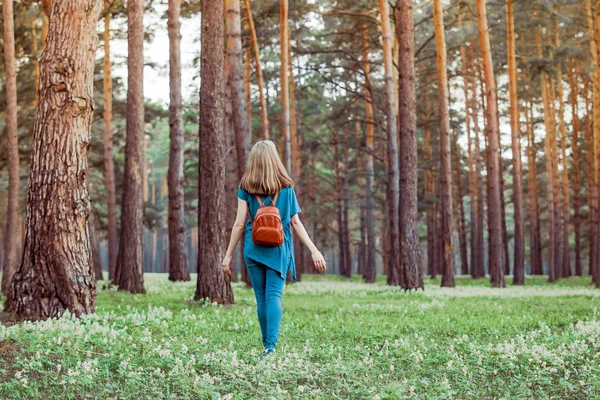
(319, 261)
(225, 265)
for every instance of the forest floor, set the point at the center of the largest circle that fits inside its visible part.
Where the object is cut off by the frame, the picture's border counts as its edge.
(339, 339)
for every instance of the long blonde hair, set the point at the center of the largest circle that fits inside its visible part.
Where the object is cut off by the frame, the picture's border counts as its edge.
(265, 173)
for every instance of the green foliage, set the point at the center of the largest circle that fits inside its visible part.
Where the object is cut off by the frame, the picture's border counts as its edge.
(339, 339)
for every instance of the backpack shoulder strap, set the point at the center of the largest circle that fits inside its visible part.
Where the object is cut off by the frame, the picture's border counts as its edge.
(259, 200)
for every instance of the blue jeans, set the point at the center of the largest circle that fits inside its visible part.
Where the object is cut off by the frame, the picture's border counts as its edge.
(268, 288)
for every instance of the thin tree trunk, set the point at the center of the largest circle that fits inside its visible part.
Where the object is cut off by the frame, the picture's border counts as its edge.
(495, 222)
(36, 64)
(393, 184)
(261, 83)
(212, 284)
(346, 204)
(56, 273)
(595, 266)
(430, 199)
(535, 241)
(339, 203)
(589, 141)
(10, 242)
(179, 269)
(410, 247)
(470, 158)
(593, 148)
(95, 249)
(109, 165)
(459, 210)
(247, 89)
(130, 273)
(369, 271)
(293, 121)
(519, 241)
(47, 8)
(285, 84)
(573, 81)
(566, 215)
(445, 166)
(362, 247)
(477, 268)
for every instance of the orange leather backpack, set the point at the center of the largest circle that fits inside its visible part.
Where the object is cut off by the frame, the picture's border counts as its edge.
(267, 229)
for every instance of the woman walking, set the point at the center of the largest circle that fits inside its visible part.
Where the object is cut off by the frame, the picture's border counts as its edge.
(267, 201)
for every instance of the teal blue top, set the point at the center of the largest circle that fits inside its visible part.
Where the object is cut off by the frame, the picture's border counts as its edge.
(278, 258)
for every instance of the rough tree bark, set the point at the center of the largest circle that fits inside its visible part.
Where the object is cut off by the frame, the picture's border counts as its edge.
(179, 269)
(393, 184)
(495, 222)
(369, 271)
(109, 164)
(212, 284)
(411, 267)
(519, 242)
(129, 271)
(11, 238)
(259, 75)
(445, 158)
(56, 272)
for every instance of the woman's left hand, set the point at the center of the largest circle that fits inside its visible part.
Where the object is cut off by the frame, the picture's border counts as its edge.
(225, 265)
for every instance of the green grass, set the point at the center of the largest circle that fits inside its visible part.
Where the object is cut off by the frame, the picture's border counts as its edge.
(339, 339)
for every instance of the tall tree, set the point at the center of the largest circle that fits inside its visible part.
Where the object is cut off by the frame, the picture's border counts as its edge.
(459, 209)
(596, 57)
(212, 284)
(179, 269)
(129, 274)
(535, 238)
(10, 242)
(284, 41)
(393, 184)
(109, 164)
(495, 222)
(410, 256)
(519, 243)
(56, 273)
(445, 158)
(259, 74)
(369, 271)
(574, 97)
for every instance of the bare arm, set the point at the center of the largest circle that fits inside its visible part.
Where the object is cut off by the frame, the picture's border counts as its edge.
(317, 257)
(236, 234)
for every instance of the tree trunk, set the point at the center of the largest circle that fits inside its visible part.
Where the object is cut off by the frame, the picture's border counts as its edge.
(566, 214)
(445, 166)
(459, 210)
(346, 208)
(36, 64)
(369, 271)
(56, 273)
(295, 171)
(430, 199)
(573, 81)
(535, 242)
(410, 247)
(10, 242)
(589, 138)
(212, 284)
(362, 247)
(519, 241)
(95, 249)
(393, 184)
(261, 84)
(179, 269)
(477, 268)
(592, 144)
(109, 165)
(595, 266)
(550, 133)
(47, 8)
(285, 84)
(130, 273)
(339, 203)
(495, 222)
